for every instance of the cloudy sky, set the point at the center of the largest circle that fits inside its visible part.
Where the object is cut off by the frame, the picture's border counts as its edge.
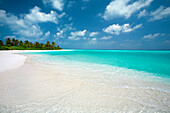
(88, 24)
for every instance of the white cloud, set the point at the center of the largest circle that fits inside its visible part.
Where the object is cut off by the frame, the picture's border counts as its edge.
(60, 33)
(94, 39)
(36, 16)
(106, 37)
(73, 38)
(57, 4)
(142, 13)
(124, 8)
(76, 35)
(160, 13)
(152, 36)
(27, 25)
(127, 27)
(31, 31)
(113, 29)
(47, 34)
(93, 34)
(84, 38)
(116, 28)
(66, 27)
(20, 26)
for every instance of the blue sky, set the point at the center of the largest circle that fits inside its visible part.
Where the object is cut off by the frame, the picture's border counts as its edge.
(88, 24)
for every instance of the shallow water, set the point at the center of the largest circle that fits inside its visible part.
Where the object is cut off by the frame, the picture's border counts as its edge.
(155, 62)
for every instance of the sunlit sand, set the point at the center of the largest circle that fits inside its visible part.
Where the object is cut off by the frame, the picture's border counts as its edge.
(33, 87)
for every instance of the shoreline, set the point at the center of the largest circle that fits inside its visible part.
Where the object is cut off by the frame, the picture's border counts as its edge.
(10, 59)
(47, 88)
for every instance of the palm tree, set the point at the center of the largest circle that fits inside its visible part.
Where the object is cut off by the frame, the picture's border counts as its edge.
(30, 44)
(53, 44)
(8, 42)
(36, 44)
(13, 41)
(42, 45)
(1, 43)
(48, 44)
(20, 43)
(26, 43)
(16, 42)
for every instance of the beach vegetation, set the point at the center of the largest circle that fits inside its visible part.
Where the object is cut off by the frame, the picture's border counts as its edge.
(14, 44)
(1, 43)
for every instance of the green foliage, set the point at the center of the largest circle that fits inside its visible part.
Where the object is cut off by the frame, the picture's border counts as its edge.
(53, 44)
(20, 43)
(13, 41)
(1, 43)
(15, 44)
(48, 45)
(8, 42)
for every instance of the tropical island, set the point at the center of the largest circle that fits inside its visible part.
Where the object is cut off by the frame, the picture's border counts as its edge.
(15, 44)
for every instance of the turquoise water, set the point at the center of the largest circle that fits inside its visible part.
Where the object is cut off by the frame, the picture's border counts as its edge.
(155, 62)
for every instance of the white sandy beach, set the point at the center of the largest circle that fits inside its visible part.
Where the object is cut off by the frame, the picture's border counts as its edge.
(10, 61)
(26, 86)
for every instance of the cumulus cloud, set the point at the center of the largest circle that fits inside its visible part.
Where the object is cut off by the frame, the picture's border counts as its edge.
(47, 34)
(152, 36)
(36, 16)
(76, 35)
(106, 37)
(124, 8)
(57, 4)
(113, 29)
(93, 34)
(160, 13)
(20, 26)
(116, 28)
(29, 31)
(27, 26)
